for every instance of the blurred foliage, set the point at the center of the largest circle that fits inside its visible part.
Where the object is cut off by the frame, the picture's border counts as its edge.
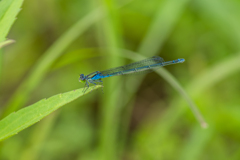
(137, 117)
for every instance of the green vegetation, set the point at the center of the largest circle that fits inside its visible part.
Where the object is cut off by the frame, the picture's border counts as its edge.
(139, 117)
(25, 117)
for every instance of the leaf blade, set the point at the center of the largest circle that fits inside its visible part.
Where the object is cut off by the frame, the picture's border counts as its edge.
(5, 43)
(8, 13)
(17, 121)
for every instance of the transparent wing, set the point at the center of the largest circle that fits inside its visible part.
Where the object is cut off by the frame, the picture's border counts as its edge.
(135, 65)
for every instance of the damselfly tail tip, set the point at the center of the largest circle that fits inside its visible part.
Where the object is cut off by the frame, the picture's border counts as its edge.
(181, 60)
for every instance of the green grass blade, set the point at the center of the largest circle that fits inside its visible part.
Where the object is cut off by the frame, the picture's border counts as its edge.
(110, 104)
(4, 5)
(5, 43)
(213, 75)
(224, 17)
(8, 12)
(26, 117)
(166, 18)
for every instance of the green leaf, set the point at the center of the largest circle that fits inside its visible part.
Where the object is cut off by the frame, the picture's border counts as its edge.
(4, 5)
(5, 43)
(17, 121)
(8, 12)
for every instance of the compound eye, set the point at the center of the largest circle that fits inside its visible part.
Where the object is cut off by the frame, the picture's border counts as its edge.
(82, 76)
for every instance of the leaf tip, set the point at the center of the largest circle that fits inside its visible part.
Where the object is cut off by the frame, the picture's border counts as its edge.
(204, 125)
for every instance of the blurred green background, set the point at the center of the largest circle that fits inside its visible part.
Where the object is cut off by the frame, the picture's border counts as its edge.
(139, 117)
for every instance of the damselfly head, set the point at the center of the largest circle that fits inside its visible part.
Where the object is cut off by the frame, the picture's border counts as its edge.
(82, 78)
